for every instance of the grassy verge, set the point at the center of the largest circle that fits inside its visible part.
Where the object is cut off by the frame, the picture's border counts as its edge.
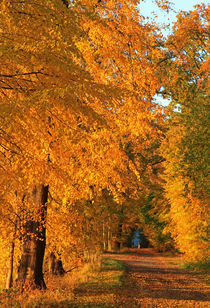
(198, 266)
(100, 290)
(93, 285)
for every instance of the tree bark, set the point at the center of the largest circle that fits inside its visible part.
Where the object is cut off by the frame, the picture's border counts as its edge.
(55, 266)
(109, 240)
(30, 270)
(117, 240)
(104, 238)
(9, 280)
(115, 245)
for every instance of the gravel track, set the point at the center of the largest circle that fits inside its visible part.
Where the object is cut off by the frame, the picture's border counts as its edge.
(153, 280)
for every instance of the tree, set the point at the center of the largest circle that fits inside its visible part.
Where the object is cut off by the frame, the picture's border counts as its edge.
(34, 241)
(186, 145)
(75, 101)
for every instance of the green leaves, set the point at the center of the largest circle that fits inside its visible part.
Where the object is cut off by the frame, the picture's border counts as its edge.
(186, 145)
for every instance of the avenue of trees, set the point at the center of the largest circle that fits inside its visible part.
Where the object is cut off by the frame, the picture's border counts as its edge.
(86, 153)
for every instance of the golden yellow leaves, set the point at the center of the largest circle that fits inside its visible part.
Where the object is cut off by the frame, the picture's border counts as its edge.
(82, 82)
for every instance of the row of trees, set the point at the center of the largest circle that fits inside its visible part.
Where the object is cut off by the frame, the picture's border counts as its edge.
(186, 144)
(80, 130)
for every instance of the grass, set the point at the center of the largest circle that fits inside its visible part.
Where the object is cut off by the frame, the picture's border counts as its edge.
(100, 290)
(203, 266)
(93, 285)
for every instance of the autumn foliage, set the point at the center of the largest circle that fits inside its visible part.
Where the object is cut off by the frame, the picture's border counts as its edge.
(78, 117)
(186, 144)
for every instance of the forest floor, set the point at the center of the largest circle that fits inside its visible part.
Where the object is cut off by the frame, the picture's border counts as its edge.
(156, 280)
(135, 278)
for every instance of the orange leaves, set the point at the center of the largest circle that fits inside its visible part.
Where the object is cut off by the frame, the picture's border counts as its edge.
(165, 5)
(185, 166)
(77, 88)
(191, 34)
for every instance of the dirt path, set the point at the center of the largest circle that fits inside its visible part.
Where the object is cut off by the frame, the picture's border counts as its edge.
(156, 281)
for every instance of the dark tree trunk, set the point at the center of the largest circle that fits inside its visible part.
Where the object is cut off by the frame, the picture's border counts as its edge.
(30, 270)
(59, 270)
(117, 241)
(55, 265)
(10, 272)
(9, 280)
(120, 232)
(104, 238)
(109, 240)
(115, 245)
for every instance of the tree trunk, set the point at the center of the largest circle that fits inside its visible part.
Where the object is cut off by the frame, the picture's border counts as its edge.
(104, 238)
(117, 238)
(59, 270)
(55, 265)
(109, 240)
(120, 233)
(115, 245)
(30, 272)
(9, 281)
(10, 272)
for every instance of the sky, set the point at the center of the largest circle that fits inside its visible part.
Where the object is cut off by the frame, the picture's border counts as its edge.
(146, 7)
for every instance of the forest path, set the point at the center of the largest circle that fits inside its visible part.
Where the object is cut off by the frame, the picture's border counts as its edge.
(154, 280)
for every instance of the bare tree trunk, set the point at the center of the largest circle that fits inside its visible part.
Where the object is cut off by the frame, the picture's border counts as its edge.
(115, 245)
(120, 231)
(9, 280)
(104, 238)
(30, 270)
(109, 238)
(55, 265)
(59, 270)
(115, 239)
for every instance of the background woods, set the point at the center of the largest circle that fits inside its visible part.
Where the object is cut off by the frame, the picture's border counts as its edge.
(86, 153)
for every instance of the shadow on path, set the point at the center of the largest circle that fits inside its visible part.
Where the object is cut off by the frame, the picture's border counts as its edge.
(153, 280)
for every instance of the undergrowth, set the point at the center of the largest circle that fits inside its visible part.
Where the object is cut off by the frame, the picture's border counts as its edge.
(92, 285)
(203, 266)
